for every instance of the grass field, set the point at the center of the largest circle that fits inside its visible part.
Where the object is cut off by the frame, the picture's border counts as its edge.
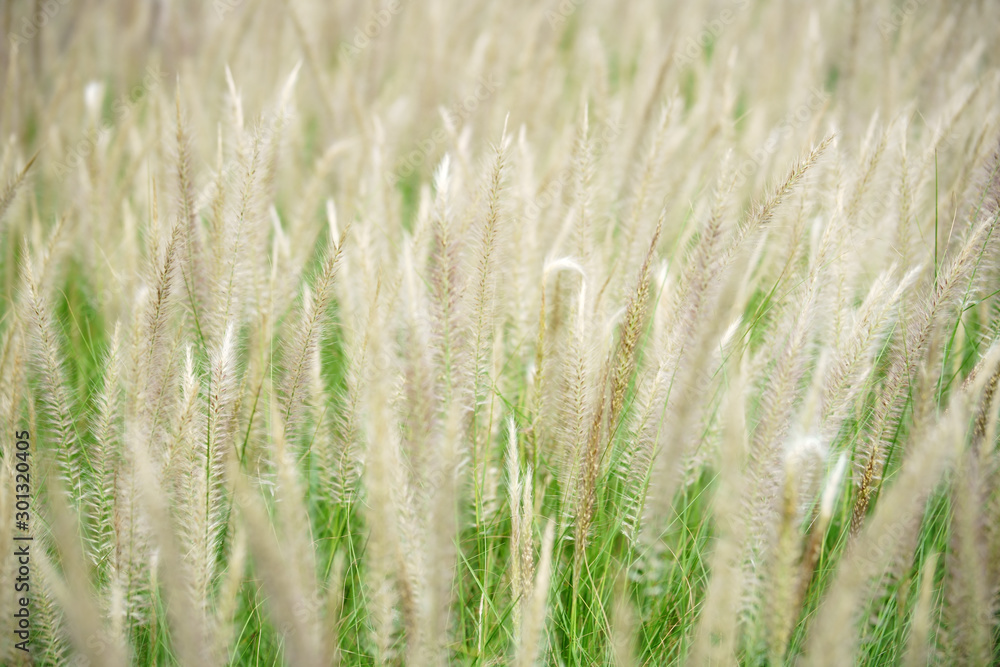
(570, 332)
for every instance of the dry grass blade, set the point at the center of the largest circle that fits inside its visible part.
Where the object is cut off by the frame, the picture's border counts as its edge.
(9, 192)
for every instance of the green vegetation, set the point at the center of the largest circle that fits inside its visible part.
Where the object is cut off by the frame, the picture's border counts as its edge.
(522, 333)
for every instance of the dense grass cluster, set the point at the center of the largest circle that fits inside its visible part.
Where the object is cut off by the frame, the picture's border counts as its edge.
(502, 333)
